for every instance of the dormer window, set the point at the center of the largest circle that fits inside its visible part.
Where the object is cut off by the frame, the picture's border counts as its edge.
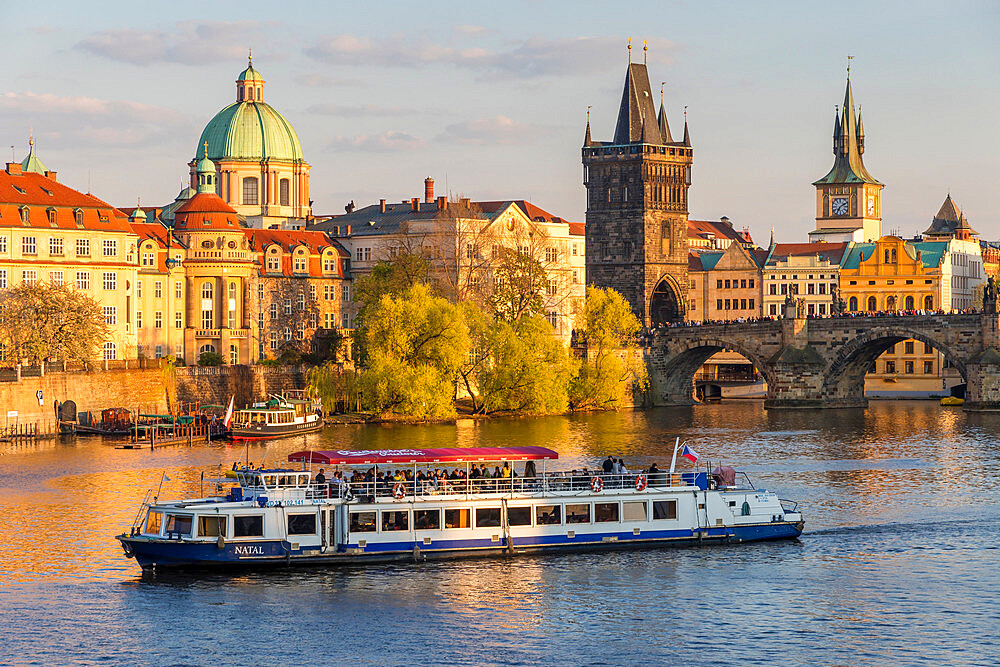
(21, 190)
(24, 215)
(78, 217)
(51, 212)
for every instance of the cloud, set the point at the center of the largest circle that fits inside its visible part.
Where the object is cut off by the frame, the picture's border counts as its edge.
(76, 121)
(525, 58)
(473, 30)
(496, 130)
(324, 81)
(187, 43)
(358, 111)
(388, 141)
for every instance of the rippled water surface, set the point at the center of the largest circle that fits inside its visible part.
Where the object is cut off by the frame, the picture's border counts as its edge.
(899, 563)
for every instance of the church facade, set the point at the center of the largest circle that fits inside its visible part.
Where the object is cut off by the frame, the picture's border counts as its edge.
(637, 206)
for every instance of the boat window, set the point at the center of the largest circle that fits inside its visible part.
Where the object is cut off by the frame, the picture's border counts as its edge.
(664, 509)
(518, 516)
(270, 480)
(634, 511)
(395, 520)
(154, 521)
(211, 526)
(427, 519)
(179, 524)
(248, 526)
(577, 513)
(456, 518)
(301, 524)
(487, 517)
(605, 512)
(363, 522)
(547, 515)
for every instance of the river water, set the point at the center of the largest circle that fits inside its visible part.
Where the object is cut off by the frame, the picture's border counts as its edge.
(899, 562)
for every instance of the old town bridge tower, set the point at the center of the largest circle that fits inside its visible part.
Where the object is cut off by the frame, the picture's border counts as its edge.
(637, 206)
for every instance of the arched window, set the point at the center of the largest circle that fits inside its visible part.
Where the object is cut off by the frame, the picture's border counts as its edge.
(283, 192)
(872, 304)
(890, 303)
(250, 191)
(206, 290)
(854, 304)
(239, 95)
(234, 355)
(909, 303)
(208, 347)
(929, 303)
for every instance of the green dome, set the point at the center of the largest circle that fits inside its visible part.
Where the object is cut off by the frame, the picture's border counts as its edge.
(250, 131)
(249, 74)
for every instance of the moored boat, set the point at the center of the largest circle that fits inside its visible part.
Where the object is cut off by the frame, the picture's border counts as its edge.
(284, 516)
(281, 416)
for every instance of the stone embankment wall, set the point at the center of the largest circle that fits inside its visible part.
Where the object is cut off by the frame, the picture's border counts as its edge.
(146, 389)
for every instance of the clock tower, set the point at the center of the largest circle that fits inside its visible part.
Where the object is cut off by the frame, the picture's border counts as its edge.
(848, 198)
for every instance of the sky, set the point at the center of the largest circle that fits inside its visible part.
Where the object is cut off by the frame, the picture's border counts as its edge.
(490, 99)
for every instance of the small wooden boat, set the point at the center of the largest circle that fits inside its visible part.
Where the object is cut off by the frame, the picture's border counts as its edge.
(952, 400)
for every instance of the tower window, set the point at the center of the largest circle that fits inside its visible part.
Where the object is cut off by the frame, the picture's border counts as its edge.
(283, 191)
(250, 191)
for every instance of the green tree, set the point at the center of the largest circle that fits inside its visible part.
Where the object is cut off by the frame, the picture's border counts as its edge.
(44, 321)
(519, 280)
(527, 368)
(211, 359)
(388, 277)
(612, 369)
(416, 344)
(336, 385)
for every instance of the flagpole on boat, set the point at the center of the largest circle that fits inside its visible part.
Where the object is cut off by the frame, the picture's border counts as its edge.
(673, 459)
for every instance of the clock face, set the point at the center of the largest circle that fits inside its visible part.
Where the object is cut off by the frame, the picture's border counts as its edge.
(839, 206)
(871, 206)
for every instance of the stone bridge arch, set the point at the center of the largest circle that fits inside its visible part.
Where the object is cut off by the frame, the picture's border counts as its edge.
(844, 379)
(681, 359)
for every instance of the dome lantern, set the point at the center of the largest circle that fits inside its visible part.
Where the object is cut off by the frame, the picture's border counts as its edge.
(206, 172)
(250, 84)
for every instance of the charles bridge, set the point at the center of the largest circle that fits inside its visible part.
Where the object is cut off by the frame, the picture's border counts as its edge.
(821, 363)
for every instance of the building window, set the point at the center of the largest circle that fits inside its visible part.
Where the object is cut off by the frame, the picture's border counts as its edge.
(552, 288)
(329, 321)
(300, 265)
(110, 248)
(301, 301)
(273, 340)
(206, 290)
(312, 292)
(82, 280)
(110, 280)
(928, 349)
(138, 288)
(822, 288)
(260, 320)
(207, 319)
(274, 311)
(178, 320)
(83, 247)
(138, 318)
(288, 306)
(3, 278)
(158, 320)
(908, 367)
(328, 292)
(551, 254)
(159, 351)
(3, 244)
(908, 347)
(110, 351)
(178, 290)
(313, 320)
(111, 314)
(283, 192)
(909, 303)
(234, 354)
(345, 292)
(928, 303)
(24, 215)
(273, 264)
(890, 367)
(56, 277)
(774, 309)
(158, 289)
(287, 333)
(30, 277)
(751, 283)
(727, 284)
(55, 246)
(928, 368)
(810, 289)
(330, 264)
(822, 309)
(250, 191)
(576, 277)
(260, 291)
(345, 321)
(872, 304)
(29, 246)
(718, 304)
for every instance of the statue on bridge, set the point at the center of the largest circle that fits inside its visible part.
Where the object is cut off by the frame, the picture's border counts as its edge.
(839, 305)
(990, 297)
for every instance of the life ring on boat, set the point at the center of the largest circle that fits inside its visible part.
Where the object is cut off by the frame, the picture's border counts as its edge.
(640, 482)
(596, 484)
(398, 491)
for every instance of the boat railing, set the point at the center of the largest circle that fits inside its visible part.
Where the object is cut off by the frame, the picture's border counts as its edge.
(549, 484)
(789, 506)
(140, 516)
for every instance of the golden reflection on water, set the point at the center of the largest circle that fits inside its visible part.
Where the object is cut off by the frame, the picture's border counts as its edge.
(895, 462)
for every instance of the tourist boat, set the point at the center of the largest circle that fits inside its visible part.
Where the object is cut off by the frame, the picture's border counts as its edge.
(281, 416)
(283, 516)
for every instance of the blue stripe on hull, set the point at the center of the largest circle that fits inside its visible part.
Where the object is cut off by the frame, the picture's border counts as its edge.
(172, 553)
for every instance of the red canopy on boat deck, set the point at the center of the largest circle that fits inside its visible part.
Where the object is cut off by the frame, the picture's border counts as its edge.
(447, 455)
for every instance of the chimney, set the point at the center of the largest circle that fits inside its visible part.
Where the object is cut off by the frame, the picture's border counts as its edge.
(14, 168)
(442, 203)
(464, 201)
(51, 175)
(725, 220)
(428, 190)
(381, 206)
(415, 204)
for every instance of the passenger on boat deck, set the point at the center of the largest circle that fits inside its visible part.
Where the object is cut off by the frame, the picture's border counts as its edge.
(608, 465)
(320, 477)
(620, 467)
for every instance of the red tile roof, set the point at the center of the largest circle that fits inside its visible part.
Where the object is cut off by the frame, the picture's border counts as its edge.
(206, 210)
(40, 193)
(532, 212)
(699, 228)
(288, 240)
(832, 252)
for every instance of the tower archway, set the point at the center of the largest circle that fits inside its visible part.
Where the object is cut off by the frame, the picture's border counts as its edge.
(665, 304)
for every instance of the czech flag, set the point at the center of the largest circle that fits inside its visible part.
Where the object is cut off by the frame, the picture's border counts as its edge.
(689, 454)
(229, 412)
